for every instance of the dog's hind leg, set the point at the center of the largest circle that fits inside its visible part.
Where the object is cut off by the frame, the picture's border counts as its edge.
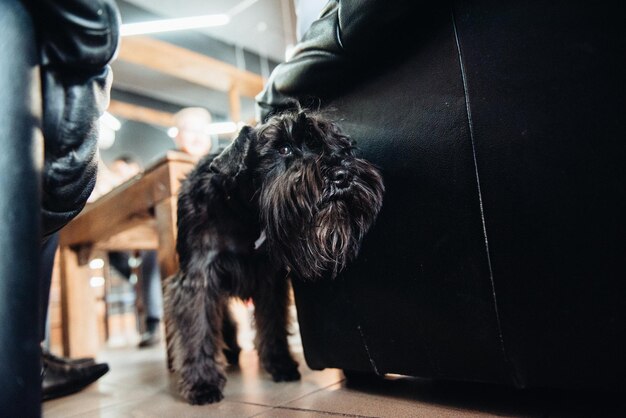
(229, 332)
(271, 297)
(195, 311)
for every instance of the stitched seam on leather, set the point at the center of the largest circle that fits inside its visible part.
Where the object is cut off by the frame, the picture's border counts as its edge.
(367, 350)
(480, 196)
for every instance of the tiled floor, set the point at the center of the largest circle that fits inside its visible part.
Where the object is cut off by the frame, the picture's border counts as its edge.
(138, 385)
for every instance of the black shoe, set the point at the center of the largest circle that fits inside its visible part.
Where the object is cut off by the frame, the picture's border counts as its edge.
(150, 338)
(61, 379)
(49, 358)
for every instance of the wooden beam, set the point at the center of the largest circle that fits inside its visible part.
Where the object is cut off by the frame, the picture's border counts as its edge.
(141, 236)
(141, 114)
(188, 65)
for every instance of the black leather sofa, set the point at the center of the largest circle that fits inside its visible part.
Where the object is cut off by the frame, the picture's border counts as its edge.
(499, 255)
(54, 85)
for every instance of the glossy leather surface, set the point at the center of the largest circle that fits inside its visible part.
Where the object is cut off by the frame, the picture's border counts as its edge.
(498, 251)
(547, 121)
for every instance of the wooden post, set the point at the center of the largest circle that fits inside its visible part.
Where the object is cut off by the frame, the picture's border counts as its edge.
(80, 331)
(165, 212)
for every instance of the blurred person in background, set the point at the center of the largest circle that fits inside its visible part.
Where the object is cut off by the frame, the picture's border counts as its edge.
(192, 132)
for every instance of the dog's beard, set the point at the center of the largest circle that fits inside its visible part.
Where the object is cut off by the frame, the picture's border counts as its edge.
(315, 228)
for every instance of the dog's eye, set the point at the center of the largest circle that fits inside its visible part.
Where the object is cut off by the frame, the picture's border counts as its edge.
(285, 150)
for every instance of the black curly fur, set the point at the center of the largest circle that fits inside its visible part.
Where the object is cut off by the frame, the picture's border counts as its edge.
(294, 178)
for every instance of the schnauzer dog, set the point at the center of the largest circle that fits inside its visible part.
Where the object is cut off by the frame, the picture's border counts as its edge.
(288, 197)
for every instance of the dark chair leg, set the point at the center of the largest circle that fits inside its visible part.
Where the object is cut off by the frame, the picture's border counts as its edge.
(20, 164)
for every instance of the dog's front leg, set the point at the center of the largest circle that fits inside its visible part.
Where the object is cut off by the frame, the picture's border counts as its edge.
(271, 298)
(195, 310)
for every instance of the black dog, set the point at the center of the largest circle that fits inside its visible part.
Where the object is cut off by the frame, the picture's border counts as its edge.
(289, 195)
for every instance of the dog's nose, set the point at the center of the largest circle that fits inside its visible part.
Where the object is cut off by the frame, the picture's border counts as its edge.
(341, 178)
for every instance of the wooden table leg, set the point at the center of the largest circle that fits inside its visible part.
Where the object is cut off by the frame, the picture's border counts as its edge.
(165, 212)
(80, 330)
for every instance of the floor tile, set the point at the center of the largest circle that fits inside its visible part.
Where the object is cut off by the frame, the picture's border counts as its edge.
(340, 400)
(296, 413)
(250, 383)
(167, 406)
(132, 367)
(97, 396)
(409, 397)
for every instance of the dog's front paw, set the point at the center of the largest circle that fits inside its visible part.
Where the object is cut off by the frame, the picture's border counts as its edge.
(203, 393)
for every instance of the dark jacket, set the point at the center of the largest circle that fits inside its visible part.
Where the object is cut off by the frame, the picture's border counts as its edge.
(350, 40)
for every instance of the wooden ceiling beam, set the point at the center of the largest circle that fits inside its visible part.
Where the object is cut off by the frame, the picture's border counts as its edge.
(141, 114)
(189, 65)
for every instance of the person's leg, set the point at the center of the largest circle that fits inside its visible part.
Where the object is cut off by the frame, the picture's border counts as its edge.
(119, 261)
(150, 290)
(48, 250)
(152, 297)
(61, 376)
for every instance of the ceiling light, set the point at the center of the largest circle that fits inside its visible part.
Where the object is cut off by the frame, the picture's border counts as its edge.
(170, 25)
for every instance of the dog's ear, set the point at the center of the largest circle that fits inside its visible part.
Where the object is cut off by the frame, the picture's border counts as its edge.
(232, 161)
